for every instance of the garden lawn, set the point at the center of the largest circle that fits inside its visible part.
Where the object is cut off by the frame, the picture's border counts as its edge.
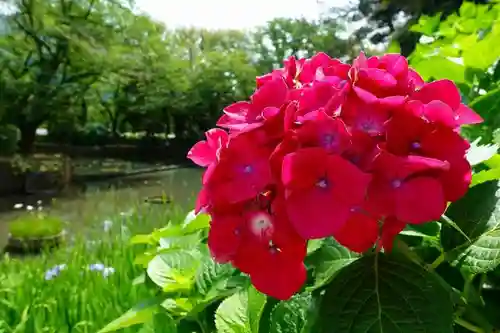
(83, 286)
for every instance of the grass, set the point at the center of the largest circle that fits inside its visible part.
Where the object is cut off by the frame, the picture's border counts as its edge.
(36, 225)
(80, 297)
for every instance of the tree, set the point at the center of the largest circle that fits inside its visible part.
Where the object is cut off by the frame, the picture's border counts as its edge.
(386, 19)
(52, 58)
(69, 65)
(283, 37)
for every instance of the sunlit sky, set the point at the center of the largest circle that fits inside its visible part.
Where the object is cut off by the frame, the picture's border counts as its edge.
(224, 14)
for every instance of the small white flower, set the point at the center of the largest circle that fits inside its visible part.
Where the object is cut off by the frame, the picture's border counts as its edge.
(97, 267)
(18, 206)
(29, 207)
(108, 271)
(39, 202)
(108, 224)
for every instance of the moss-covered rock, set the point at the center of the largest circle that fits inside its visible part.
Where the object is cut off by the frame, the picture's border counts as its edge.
(36, 226)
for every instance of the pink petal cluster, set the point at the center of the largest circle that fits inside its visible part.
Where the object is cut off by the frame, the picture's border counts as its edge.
(323, 148)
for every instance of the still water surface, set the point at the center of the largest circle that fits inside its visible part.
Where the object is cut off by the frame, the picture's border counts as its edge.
(99, 200)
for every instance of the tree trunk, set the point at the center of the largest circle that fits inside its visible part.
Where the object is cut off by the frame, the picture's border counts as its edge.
(28, 136)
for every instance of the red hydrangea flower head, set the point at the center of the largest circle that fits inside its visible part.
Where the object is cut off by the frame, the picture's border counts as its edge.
(323, 148)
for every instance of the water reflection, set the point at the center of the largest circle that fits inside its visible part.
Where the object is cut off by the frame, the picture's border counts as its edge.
(98, 200)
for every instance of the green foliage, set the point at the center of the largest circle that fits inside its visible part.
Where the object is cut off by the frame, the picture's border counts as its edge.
(385, 293)
(464, 48)
(328, 260)
(79, 300)
(140, 314)
(241, 312)
(470, 36)
(477, 248)
(35, 225)
(294, 316)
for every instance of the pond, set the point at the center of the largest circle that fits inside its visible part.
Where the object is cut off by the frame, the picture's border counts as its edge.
(96, 200)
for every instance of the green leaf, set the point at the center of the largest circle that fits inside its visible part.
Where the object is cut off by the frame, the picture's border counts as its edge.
(484, 53)
(145, 258)
(385, 293)
(141, 279)
(169, 231)
(468, 9)
(161, 322)
(178, 307)
(190, 241)
(394, 47)
(174, 271)
(212, 278)
(294, 315)
(313, 245)
(141, 239)
(493, 162)
(139, 314)
(485, 176)
(241, 312)
(327, 261)
(477, 215)
(427, 25)
(430, 229)
(211, 275)
(438, 67)
(487, 107)
(193, 222)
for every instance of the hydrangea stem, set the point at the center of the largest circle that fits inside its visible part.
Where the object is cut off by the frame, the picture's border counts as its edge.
(407, 252)
(439, 260)
(450, 222)
(405, 249)
(469, 326)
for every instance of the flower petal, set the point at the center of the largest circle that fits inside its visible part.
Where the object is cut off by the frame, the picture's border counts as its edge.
(359, 233)
(457, 180)
(271, 94)
(201, 154)
(223, 237)
(376, 77)
(441, 90)
(302, 168)
(440, 113)
(315, 213)
(280, 279)
(390, 229)
(466, 116)
(420, 200)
